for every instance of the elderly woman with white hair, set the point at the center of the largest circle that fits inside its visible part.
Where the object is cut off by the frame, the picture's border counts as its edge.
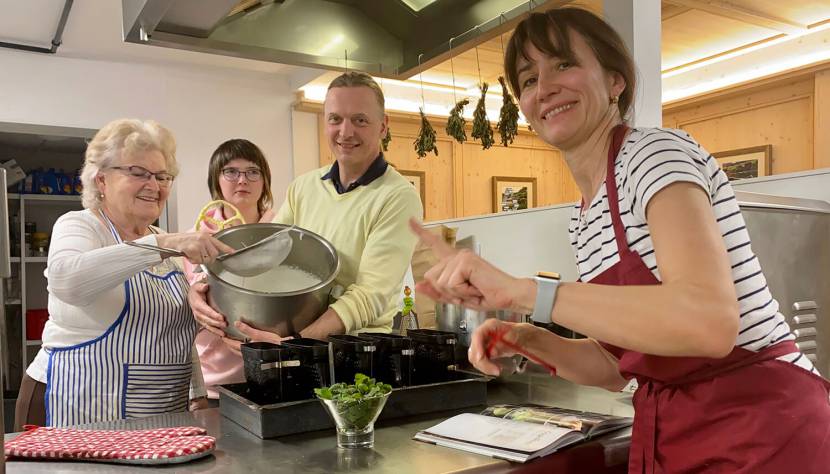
(119, 339)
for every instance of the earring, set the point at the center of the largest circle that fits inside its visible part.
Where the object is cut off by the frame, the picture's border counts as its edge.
(615, 99)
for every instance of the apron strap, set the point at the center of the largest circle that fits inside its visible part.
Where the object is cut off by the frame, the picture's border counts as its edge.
(618, 134)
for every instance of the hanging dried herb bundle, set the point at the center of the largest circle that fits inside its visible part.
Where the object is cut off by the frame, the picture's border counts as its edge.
(425, 142)
(456, 123)
(481, 126)
(386, 139)
(508, 117)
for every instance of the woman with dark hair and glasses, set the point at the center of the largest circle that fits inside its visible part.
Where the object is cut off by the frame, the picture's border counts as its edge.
(669, 291)
(238, 174)
(119, 339)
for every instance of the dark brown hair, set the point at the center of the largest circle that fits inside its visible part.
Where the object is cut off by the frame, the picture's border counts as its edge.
(245, 150)
(548, 32)
(358, 79)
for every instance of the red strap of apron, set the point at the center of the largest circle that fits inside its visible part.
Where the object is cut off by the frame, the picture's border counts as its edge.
(618, 134)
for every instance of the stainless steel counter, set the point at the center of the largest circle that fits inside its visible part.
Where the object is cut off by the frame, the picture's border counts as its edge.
(238, 451)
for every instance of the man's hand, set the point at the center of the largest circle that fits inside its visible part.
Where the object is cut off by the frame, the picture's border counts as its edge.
(199, 403)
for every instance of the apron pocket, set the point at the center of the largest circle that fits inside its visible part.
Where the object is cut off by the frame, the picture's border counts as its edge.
(155, 389)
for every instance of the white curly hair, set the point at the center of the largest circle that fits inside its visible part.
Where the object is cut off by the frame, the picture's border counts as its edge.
(123, 137)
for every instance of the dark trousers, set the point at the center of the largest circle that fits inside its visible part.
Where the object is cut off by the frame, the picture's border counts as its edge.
(30, 408)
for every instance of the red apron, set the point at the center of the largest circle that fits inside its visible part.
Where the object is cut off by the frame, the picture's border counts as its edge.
(745, 413)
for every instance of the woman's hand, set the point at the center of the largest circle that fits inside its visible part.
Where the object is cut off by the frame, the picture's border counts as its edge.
(462, 277)
(252, 335)
(486, 345)
(199, 404)
(203, 313)
(198, 247)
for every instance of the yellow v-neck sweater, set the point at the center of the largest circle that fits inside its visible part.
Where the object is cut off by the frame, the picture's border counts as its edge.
(369, 228)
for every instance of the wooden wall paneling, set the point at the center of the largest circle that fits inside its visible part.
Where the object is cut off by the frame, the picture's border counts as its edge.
(520, 160)
(787, 126)
(821, 120)
(458, 178)
(438, 171)
(778, 114)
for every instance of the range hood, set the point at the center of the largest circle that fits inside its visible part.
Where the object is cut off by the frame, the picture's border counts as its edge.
(387, 38)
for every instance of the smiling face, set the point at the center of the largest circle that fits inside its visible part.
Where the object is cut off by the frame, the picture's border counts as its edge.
(132, 198)
(241, 192)
(565, 101)
(355, 124)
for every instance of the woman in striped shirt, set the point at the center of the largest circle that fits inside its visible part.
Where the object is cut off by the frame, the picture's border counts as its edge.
(669, 292)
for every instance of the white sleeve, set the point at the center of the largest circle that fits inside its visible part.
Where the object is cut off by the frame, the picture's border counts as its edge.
(82, 264)
(659, 158)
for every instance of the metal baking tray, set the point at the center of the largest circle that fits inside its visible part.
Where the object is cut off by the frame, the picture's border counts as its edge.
(281, 419)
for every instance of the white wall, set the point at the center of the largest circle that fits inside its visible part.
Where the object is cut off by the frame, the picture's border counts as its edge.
(806, 184)
(202, 105)
(522, 243)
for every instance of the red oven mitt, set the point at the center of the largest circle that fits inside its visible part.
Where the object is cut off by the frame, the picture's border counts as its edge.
(159, 446)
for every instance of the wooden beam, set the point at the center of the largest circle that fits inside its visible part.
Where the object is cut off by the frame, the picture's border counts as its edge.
(753, 17)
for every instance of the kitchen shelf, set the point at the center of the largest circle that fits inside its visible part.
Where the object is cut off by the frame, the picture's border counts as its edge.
(31, 343)
(14, 301)
(36, 259)
(15, 260)
(46, 197)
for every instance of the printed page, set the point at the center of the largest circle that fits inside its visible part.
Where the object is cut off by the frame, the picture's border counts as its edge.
(498, 432)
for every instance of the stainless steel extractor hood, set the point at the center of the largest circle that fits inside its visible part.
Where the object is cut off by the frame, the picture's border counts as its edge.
(388, 38)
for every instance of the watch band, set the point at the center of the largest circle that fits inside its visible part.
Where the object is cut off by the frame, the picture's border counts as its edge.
(546, 286)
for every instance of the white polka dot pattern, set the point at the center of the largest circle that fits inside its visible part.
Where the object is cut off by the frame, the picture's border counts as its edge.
(165, 445)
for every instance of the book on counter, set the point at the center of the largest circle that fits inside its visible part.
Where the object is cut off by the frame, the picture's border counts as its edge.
(520, 433)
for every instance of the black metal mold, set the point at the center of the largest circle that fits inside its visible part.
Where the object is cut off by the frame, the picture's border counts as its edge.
(287, 418)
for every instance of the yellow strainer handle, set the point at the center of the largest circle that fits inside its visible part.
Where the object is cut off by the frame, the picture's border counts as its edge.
(219, 224)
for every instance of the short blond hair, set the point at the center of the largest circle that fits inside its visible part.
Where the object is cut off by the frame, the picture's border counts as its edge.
(360, 79)
(123, 137)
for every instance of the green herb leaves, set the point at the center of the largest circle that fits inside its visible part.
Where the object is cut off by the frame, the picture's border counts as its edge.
(456, 123)
(356, 403)
(425, 142)
(508, 125)
(482, 129)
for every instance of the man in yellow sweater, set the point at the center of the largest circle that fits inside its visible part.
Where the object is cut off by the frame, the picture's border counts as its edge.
(361, 205)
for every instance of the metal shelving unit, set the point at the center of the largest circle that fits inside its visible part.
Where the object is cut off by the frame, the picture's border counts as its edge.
(44, 210)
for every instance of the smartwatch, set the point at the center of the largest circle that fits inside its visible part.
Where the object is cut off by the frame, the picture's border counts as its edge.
(546, 286)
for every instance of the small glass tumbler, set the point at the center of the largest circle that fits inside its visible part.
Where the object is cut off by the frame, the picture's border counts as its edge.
(355, 420)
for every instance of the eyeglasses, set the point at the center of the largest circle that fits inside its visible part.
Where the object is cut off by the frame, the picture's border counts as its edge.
(251, 174)
(163, 178)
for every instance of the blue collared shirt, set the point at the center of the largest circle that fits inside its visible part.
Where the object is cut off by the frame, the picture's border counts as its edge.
(375, 171)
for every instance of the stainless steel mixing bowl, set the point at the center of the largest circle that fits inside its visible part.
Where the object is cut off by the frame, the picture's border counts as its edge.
(284, 313)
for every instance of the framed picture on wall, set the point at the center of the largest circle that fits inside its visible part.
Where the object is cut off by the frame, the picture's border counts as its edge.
(745, 163)
(418, 179)
(513, 193)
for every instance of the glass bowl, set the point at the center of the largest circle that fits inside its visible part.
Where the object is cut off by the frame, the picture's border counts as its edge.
(355, 420)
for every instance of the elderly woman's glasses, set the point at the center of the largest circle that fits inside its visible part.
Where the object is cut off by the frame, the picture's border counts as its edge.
(163, 178)
(251, 174)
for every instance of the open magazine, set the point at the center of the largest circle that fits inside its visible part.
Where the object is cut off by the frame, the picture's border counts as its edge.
(519, 432)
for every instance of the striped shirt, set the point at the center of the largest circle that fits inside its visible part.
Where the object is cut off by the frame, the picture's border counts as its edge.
(650, 160)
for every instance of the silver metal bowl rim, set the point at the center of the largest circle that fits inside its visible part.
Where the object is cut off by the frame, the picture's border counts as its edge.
(303, 291)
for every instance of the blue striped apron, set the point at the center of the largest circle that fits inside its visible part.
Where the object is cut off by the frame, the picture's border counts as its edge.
(140, 366)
